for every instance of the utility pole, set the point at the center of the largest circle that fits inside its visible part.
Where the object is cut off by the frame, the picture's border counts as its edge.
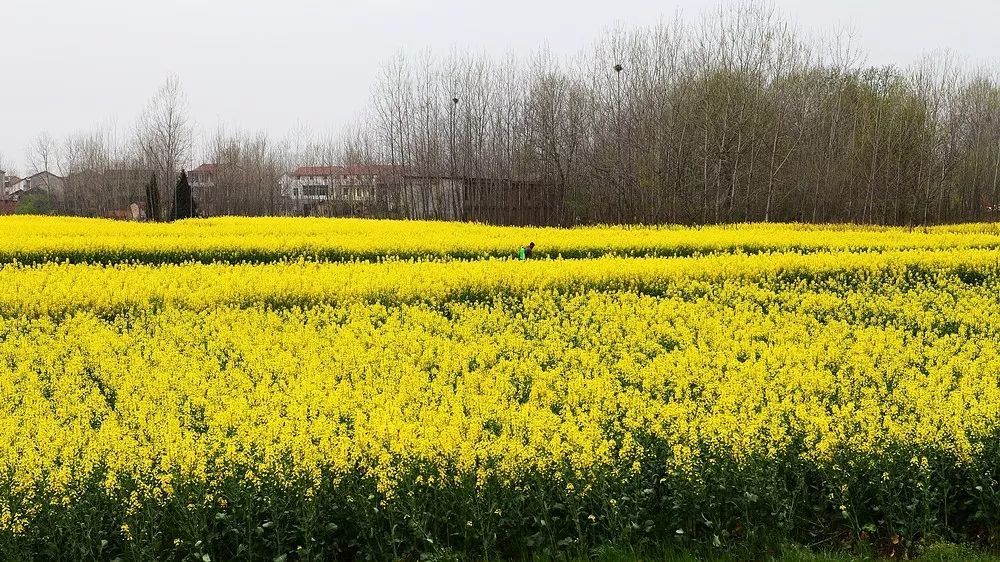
(451, 154)
(191, 196)
(620, 180)
(451, 150)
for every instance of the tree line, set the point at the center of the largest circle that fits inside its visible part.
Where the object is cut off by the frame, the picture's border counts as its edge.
(106, 169)
(734, 117)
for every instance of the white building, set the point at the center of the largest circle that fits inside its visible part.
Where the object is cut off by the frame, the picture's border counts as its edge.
(42, 181)
(340, 190)
(335, 183)
(6, 181)
(371, 191)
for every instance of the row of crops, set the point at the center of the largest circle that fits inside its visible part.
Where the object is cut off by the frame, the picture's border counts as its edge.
(301, 408)
(234, 240)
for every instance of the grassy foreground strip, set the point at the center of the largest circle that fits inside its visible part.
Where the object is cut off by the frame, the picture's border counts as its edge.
(234, 240)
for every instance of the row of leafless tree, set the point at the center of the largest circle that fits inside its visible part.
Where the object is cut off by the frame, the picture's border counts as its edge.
(106, 169)
(735, 117)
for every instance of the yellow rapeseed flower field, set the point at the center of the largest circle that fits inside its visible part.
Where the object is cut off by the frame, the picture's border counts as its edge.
(386, 389)
(37, 239)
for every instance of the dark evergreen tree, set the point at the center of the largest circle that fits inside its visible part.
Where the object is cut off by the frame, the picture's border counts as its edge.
(183, 199)
(152, 200)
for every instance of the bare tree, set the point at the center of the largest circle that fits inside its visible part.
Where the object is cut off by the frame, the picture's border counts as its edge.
(42, 153)
(7, 166)
(164, 133)
(245, 175)
(736, 116)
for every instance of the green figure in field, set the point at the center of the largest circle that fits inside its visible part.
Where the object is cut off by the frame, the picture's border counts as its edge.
(525, 253)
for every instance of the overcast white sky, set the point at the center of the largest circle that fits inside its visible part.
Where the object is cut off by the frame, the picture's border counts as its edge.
(69, 65)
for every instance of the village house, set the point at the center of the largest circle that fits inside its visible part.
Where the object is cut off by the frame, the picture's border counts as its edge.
(7, 205)
(385, 191)
(340, 190)
(203, 177)
(41, 182)
(7, 180)
(347, 183)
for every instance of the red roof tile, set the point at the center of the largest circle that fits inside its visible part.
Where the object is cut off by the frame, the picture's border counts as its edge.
(373, 170)
(206, 168)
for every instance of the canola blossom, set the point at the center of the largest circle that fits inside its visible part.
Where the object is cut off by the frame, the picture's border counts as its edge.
(233, 240)
(396, 408)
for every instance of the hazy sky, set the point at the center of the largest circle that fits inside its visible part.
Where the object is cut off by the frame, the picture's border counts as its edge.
(69, 65)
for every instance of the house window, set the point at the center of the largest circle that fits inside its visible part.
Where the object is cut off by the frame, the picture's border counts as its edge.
(314, 191)
(295, 192)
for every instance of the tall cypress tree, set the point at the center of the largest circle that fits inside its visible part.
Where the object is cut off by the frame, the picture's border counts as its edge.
(152, 200)
(183, 203)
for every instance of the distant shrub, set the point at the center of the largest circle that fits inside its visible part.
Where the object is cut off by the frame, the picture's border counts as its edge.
(34, 204)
